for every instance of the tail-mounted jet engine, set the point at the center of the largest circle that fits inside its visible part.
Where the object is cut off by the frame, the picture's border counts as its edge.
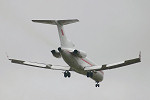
(80, 54)
(56, 54)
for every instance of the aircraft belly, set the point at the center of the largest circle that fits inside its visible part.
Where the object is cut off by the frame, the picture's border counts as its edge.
(73, 62)
(78, 65)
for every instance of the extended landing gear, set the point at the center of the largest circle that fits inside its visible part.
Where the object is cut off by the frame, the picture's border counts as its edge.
(97, 84)
(67, 74)
(89, 74)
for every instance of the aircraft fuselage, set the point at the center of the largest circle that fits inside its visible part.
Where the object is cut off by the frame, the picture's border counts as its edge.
(78, 64)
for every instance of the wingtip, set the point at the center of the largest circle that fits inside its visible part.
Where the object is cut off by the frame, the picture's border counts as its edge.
(77, 20)
(140, 55)
(33, 20)
(7, 56)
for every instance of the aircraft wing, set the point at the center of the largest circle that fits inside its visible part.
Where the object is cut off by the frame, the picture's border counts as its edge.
(115, 65)
(40, 65)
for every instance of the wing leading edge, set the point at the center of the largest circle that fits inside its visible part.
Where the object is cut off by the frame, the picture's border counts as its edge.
(115, 65)
(40, 65)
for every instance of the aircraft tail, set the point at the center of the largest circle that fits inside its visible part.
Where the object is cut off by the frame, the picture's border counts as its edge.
(63, 39)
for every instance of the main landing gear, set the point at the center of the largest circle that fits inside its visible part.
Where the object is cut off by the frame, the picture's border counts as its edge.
(89, 74)
(97, 84)
(67, 74)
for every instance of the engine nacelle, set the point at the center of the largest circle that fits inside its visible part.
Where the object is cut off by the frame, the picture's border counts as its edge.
(80, 53)
(56, 54)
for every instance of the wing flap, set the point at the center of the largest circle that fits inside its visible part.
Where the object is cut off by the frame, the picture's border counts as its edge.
(34, 64)
(115, 65)
(58, 67)
(40, 65)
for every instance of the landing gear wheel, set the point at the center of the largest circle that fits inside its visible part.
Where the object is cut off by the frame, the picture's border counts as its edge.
(97, 84)
(67, 74)
(89, 74)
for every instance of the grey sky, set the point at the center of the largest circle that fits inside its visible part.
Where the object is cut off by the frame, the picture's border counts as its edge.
(109, 31)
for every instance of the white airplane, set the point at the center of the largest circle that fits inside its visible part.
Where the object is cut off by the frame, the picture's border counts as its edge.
(76, 59)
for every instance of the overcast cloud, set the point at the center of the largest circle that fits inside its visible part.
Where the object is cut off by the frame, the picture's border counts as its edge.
(109, 31)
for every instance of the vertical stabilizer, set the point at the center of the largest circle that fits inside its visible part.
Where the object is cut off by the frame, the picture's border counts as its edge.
(60, 23)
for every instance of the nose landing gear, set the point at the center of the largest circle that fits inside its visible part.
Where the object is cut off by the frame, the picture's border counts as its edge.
(97, 84)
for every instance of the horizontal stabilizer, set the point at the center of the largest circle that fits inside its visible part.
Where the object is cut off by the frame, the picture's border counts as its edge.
(55, 22)
(60, 23)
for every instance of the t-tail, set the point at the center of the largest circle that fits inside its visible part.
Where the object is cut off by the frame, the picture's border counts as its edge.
(60, 23)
